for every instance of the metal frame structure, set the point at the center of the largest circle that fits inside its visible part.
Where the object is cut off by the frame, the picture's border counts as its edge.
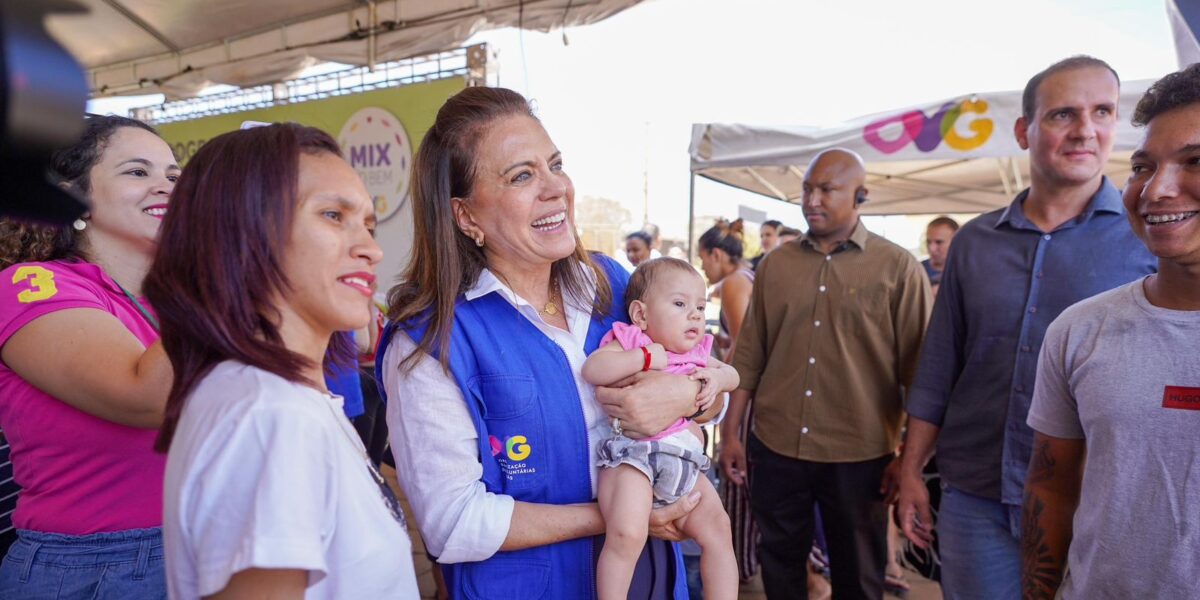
(469, 62)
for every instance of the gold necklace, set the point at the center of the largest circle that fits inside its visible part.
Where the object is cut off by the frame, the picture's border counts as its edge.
(551, 308)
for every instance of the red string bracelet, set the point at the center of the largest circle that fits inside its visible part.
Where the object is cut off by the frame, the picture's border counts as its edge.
(646, 353)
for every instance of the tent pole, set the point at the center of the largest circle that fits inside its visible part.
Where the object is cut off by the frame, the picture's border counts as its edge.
(1004, 177)
(373, 17)
(691, 216)
(1016, 169)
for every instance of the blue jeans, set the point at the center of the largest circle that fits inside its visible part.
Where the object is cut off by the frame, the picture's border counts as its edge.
(980, 541)
(120, 565)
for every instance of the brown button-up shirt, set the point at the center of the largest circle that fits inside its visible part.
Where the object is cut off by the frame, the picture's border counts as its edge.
(828, 342)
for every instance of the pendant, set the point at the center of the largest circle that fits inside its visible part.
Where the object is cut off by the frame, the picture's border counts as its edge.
(550, 309)
(389, 497)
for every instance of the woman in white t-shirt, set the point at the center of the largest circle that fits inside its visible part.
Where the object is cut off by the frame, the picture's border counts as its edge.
(269, 490)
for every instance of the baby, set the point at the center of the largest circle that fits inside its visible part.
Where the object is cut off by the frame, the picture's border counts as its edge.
(665, 300)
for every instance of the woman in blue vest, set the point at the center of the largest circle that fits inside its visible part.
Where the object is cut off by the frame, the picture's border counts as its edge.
(493, 429)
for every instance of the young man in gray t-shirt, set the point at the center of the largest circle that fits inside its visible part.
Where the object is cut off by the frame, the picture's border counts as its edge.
(1118, 383)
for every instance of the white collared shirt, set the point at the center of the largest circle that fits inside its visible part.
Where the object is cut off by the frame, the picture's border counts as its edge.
(436, 445)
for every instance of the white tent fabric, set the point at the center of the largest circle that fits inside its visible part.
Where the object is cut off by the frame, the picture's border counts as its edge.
(952, 156)
(1184, 16)
(179, 47)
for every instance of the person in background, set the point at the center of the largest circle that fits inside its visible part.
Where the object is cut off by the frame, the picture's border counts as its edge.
(651, 230)
(938, 234)
(637, 247)
(827, 350)
(371, 425)
(1014, 270)
(1116, 407)
(720, 250)
(494, 431)
(769, 238)
(787, 234)
(84, 380)
(344, 380)
(269, 256)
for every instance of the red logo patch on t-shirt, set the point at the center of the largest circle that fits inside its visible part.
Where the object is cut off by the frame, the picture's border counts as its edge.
(1187, 398)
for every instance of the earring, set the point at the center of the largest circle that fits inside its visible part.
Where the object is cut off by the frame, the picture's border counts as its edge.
(479, 240)
(79, 224)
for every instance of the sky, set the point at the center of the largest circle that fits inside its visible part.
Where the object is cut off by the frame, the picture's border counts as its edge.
(619, 96)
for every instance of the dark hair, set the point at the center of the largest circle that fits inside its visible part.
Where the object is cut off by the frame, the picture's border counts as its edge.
(640, 235)
(22, 241)
(648, 272)
(776, 225)
(1029, 96)
(1172, 91)
(445, 262)
(218, 268)
(943, 221)
(726, 236)
(651, 230)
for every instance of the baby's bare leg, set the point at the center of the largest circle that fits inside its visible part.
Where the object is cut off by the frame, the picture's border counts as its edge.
(708, 524)
(625, 501)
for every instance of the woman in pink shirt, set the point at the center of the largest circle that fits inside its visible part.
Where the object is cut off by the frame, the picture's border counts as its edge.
(84, 382)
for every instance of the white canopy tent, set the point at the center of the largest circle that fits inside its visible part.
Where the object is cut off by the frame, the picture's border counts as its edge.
(179, 47)
(951, 156)
(1184, 16)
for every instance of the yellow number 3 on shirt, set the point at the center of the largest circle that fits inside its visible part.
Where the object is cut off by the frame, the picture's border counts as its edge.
(41, 284)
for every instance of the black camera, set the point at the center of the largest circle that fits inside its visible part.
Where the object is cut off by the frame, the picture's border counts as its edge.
(43, 94)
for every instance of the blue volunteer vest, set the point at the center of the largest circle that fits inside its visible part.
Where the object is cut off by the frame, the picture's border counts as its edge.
(533, 441)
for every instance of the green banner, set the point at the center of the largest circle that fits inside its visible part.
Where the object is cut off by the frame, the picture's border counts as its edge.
(415, 105)
(378, 132)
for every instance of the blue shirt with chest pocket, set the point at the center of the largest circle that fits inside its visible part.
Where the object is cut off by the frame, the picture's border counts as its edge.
(1005, 280)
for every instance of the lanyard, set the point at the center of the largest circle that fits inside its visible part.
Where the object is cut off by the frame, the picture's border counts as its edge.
(142, 309)
(389, 497)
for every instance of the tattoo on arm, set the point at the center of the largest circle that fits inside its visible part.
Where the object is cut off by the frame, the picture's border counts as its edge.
(1041, 570)
(1041, 466)
(1041, 567)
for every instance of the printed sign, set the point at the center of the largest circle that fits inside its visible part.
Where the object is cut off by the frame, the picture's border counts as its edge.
(928, 132)
(377, 146)
(381, 153)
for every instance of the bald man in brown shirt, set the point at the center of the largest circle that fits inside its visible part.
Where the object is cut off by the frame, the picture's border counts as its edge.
(829, 343)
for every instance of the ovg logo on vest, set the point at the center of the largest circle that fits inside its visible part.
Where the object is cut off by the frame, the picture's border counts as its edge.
(511, 453)
(515, 447)
(377, 146)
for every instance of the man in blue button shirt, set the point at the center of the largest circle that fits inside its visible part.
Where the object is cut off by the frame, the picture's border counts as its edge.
(1009, 274)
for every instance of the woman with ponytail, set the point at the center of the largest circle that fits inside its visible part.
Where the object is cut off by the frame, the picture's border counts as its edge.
(721, 259)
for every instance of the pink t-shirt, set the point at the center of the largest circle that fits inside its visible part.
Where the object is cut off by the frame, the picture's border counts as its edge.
(630, 337)
(78, 474)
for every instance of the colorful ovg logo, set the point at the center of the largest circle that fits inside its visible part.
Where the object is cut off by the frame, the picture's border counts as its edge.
(377, 146)
(516, 447)
(928, 132)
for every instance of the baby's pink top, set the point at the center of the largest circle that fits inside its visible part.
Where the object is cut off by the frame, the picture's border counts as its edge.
(630, 337)
(78, 474)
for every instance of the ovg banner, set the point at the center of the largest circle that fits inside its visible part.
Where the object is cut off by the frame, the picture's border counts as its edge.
(378, 132)
(968, 126)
